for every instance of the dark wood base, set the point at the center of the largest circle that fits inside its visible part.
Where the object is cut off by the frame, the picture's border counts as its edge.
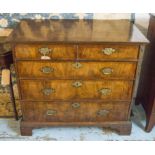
(150, 117)
(123, 127)
(150, 123)
(146, 86)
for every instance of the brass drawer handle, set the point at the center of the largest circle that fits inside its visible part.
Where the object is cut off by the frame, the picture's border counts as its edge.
(51, 112)
(102, 112)
(76, 105)
(45, 51)
(105, 91)
(108, 51)
(77, 84)
(107, 71)
(48, 91)
(77, 65)
(47, 69)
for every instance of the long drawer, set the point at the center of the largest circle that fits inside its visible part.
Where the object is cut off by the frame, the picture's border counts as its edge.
(73, 89)
(76, 70)
(75, 111)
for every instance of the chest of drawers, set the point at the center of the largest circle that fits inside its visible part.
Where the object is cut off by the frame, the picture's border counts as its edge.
(76, 72)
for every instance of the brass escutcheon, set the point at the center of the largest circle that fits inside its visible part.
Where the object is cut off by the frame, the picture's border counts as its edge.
(77, 84)
(77, 65)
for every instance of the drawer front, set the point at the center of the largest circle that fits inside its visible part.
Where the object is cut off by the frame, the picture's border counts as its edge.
(99, 52)
(75, 70)
(72, 89)
(75, 111)
(30, 51)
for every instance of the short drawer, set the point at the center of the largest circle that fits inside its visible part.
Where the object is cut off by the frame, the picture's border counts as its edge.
(99, 52)
(75, 89)
(45, 52)
(75, 111)
(76, 70)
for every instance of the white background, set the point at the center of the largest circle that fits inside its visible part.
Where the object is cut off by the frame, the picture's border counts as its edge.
(78, 6)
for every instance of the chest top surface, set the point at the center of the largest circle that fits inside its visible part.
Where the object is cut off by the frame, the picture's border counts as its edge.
(77, 31)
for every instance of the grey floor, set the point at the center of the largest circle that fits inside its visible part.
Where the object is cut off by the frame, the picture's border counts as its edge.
(9, 130)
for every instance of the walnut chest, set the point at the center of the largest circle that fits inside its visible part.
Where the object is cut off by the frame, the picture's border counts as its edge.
(76, 72)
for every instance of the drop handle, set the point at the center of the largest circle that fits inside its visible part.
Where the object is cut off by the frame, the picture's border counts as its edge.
(48, 91)
(102, 112)
(45, 51)
(106, 71)
(105, 91)
(76, 105)
(51, 112)
(108, 51)
(47, 69)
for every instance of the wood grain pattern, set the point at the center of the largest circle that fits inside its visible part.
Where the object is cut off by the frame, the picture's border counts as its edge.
(64, 89)
(87, 112)
(69, 51)
(94, 52)
(31, 51)
(68, 70)
(77, 31)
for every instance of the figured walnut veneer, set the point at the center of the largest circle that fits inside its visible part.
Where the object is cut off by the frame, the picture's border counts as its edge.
(74, 70)
(65, 90)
